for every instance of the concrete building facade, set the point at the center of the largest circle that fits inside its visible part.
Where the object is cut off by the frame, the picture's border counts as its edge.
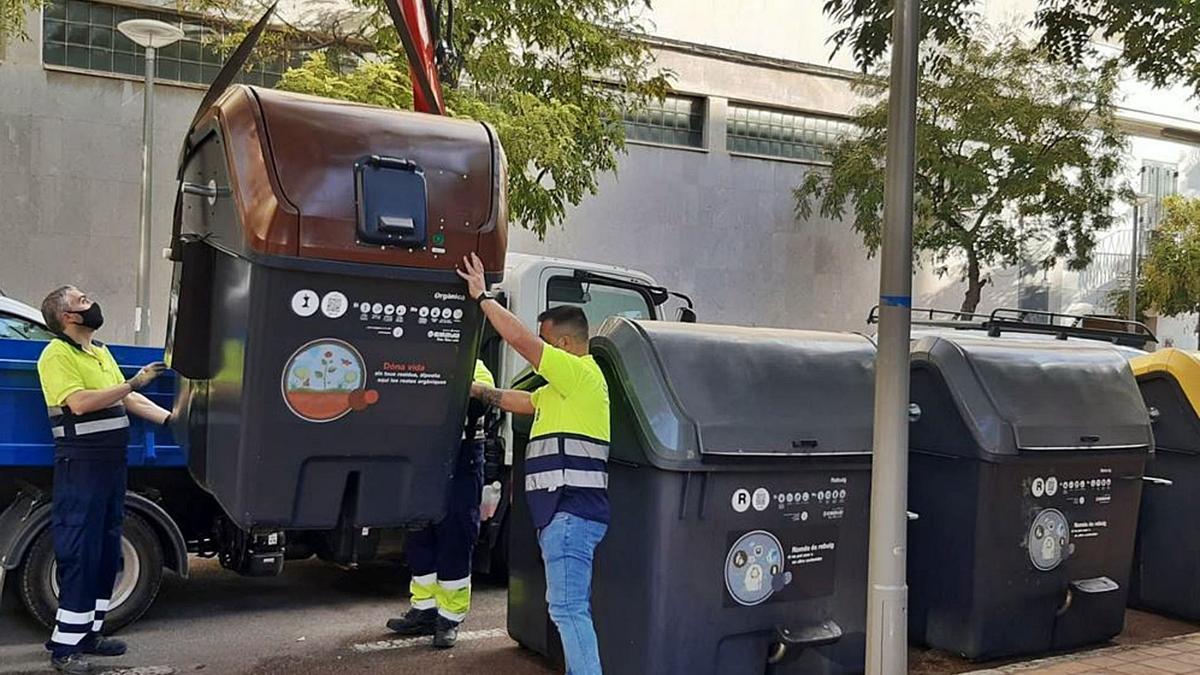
(702, 199)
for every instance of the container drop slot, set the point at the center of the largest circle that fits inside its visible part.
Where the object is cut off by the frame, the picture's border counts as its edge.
(391, 200)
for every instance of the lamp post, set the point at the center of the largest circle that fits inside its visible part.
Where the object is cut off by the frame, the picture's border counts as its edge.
(151, 35)
(887, 593)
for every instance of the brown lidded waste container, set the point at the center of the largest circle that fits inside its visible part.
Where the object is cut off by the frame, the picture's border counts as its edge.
(325, 343)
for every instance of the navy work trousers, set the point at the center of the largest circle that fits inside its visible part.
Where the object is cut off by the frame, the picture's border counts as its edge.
(439, 556)
(87, 513)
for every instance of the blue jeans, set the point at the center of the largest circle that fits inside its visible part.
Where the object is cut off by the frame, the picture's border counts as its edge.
(568, 544)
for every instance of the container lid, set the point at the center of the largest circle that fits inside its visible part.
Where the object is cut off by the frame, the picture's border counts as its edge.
(293, 172)
(1180, 364)
(1170, 383)
(703, 390)
(1014, 395)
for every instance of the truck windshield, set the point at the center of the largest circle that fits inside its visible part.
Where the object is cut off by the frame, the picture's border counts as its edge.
(599, 301)
(14, 327)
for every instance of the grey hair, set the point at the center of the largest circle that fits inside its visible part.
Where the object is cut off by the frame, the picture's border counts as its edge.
(53, 307)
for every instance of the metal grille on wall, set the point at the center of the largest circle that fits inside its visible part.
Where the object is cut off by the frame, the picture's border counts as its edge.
(675, 120)
(83, 34)
(781, 133)
(1110, 261)
(1159, 180)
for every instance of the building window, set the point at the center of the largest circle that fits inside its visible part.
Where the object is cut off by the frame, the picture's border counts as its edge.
(675, 120)
(83, 34)
(1159, 180)
(781, 133)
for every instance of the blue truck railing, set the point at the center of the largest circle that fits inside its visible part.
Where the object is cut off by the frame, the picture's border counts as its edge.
(25, 430)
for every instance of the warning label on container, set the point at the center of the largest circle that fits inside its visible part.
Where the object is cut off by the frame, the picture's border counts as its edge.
(1088, 528)
(781, 564)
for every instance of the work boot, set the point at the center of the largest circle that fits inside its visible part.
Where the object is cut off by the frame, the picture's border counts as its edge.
(99, 645)
(73, 664)
(446, 633)
(415, 622)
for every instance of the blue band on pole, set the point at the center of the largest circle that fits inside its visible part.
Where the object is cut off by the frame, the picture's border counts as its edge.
(896, 300)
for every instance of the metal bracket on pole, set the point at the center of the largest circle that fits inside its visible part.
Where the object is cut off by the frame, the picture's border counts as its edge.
(887, 598)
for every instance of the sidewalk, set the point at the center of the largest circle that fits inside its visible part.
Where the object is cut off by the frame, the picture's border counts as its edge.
(1170, 655)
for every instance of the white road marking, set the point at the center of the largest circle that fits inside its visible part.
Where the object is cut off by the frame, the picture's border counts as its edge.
(405, 643)
(139, 670)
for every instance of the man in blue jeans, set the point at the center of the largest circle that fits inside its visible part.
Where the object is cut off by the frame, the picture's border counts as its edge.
(566, 461)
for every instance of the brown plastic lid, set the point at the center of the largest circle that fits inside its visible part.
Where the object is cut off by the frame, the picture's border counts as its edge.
(297, 153)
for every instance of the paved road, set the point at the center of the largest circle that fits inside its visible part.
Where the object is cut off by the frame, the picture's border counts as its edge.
(322, 620)
(310, 619)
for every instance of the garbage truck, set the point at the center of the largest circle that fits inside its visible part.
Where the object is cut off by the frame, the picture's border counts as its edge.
(171, 519)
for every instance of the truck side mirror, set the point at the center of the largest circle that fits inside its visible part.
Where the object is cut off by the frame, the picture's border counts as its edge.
(687, 315)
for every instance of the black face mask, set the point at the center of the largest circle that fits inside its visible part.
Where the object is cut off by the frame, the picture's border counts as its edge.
(91, 317)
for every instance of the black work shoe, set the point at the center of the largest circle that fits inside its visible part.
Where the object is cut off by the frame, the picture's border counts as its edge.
(446, 633)
(73, 664)
(101, 646)
(415, 622)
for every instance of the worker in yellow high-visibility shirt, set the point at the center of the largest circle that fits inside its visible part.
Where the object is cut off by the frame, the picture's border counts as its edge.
(89, 402)
(566, 460)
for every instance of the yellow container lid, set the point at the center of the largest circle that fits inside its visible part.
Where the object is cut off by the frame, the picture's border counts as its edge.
(1181, 364)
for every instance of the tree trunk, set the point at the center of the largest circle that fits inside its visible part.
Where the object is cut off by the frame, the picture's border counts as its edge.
(974, 284)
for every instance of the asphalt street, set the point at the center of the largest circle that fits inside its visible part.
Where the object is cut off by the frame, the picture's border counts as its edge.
(324, 620)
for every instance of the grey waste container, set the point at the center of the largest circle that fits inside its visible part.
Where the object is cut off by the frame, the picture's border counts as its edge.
(1026, 471)
(1164, 564)
(739, 480)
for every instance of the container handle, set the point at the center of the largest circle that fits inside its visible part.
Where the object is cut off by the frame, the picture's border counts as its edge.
(397, 163)
(825, 633)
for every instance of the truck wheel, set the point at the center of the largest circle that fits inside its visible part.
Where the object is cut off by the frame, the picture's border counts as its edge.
(136, 587)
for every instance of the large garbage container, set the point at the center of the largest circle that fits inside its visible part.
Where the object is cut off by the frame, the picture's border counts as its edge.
(739, 480)
(326, 342)
(1026, 471)
(1168, 546)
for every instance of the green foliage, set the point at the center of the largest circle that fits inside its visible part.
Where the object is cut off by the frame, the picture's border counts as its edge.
(551, 76)
(12, 17)
(1160, 41)
(1016, 156)
(1170, 274)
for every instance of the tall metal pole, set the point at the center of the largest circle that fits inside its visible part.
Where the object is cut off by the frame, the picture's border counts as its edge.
(1133, 263)
(141, 317)
(887, 598)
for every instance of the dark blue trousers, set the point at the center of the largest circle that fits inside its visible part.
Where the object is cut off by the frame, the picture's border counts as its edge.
(439, 556)
(87, 513)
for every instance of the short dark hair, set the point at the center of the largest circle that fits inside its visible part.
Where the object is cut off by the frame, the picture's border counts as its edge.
(53, 307)
(569, 318)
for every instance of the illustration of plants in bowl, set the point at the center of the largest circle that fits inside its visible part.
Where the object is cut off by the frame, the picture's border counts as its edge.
(323, 381)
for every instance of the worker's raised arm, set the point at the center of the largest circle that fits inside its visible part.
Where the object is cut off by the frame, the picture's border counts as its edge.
(508, 400)
(83, 401)
(510, 328)
(139, 405)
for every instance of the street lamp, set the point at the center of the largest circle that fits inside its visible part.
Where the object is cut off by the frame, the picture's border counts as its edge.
(1138, 202)
(887, 592)
(152, 35)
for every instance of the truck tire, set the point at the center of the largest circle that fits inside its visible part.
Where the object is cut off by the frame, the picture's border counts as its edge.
(137, 584)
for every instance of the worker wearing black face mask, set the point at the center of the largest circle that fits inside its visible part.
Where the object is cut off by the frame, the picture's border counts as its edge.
(88, 401)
